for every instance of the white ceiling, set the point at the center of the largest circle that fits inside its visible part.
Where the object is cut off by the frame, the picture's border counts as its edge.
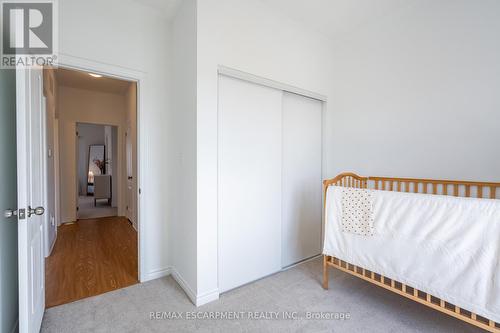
(335, 17)
(166, 7)
(82, 80)
(328, 17)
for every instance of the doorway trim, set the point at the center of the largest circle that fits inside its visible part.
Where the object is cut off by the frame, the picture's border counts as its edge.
(76, 63)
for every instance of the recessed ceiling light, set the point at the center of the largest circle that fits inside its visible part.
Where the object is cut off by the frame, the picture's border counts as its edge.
(95, 75)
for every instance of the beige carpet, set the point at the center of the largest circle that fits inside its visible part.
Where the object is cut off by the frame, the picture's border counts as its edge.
(86, 209)
(297, 290)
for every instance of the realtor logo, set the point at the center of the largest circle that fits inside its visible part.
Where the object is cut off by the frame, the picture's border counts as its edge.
(28, 33)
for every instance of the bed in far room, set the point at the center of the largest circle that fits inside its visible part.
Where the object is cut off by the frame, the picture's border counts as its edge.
(434, 241)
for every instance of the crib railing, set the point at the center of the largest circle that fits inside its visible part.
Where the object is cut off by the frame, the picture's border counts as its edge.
(456, 188)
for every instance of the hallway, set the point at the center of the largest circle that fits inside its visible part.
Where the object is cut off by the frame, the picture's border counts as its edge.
(87, 209)
(91, 257)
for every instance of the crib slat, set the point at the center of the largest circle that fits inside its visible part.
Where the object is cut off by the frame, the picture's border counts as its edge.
(493, 193)
(434, 188)
(425, 187)
(445, 189)
(467, 191)
(415, 187)
(455, 190)
(479, 191)
(376, 184)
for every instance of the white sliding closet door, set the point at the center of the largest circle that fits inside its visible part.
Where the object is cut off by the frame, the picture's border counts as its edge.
(250, 178)
(301, 227)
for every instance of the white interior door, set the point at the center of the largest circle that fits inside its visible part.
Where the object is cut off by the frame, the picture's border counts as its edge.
(249, 182)
(301, 227)
(31, 192)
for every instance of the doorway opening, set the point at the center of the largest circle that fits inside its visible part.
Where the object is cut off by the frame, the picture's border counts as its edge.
(97, 163)
(91, 226)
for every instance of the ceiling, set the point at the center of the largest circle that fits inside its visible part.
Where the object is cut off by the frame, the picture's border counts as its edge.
(82, 80)
(335, 17)
(167, 7)
(328, 17)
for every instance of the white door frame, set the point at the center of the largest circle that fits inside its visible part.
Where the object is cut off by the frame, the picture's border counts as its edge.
(139, 77)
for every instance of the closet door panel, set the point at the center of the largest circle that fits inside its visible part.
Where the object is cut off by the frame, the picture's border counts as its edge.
(302, 140)
(249, 182)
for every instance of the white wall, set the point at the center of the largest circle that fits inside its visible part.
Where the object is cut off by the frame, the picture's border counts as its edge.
(129, 35)
(182, 231)
(91, 107)
(251, 37)
(417, 94)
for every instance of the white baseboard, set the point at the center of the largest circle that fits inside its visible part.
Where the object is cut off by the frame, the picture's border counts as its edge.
(184, 285)
(197, 300)
(207, 297)
(156, 274)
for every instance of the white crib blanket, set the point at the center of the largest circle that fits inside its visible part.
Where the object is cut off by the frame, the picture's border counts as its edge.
(446, 246)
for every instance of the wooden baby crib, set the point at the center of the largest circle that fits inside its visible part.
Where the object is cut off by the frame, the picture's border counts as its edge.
(429, 186)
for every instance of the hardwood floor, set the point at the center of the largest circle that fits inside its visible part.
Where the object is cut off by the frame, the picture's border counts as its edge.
(91, 257)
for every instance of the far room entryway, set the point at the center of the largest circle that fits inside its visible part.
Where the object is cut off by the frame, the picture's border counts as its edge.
(91, 226)
(97, 163)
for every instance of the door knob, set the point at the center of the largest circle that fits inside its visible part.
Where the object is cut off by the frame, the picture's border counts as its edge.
(35, 211)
